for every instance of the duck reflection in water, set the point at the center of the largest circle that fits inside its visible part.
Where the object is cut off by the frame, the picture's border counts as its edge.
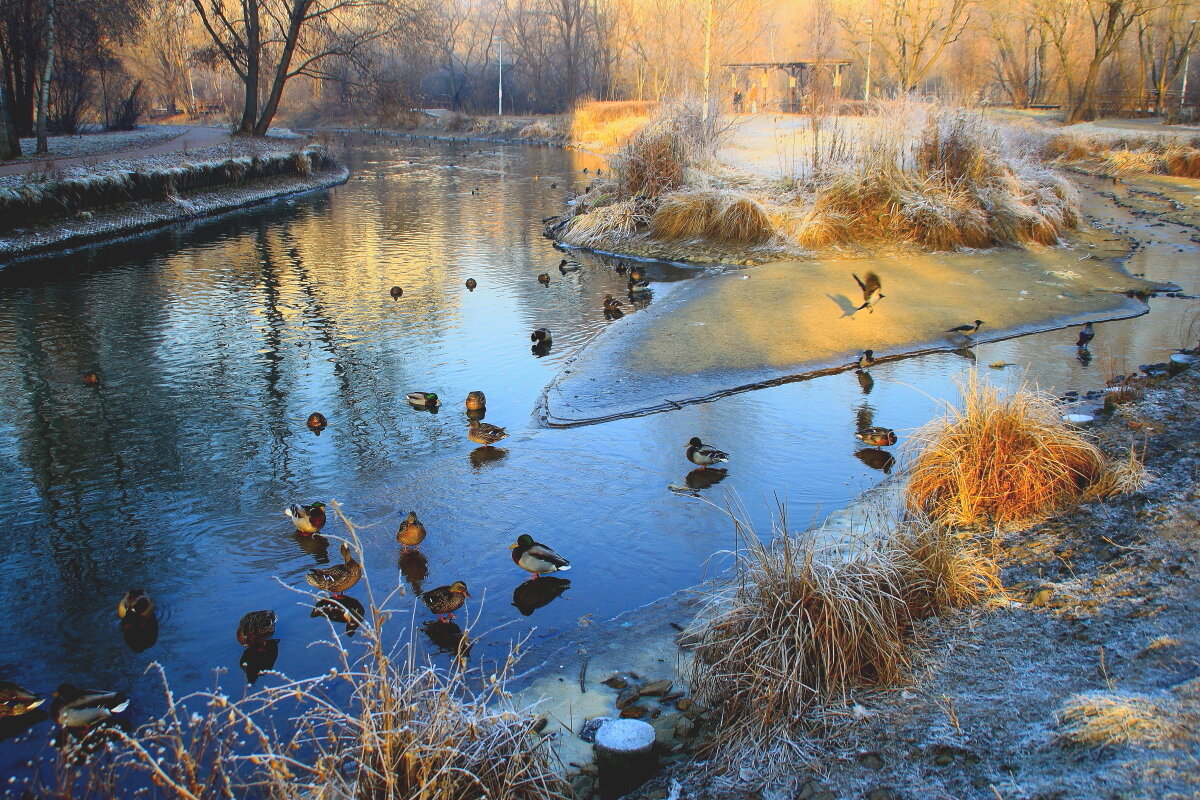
(414, 566)
(140, 635)
(257, 660)
(1084, 355)
(315, 545)
(865, 381)
(344, 609)
(529, 596)
(875, 458)
(448, 638)
(699, 479)
(482, 456)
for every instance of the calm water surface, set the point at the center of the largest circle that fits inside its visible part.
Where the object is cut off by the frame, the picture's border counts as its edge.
(217, 340)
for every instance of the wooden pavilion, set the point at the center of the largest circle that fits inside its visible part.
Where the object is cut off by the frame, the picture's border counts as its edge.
(752, 85)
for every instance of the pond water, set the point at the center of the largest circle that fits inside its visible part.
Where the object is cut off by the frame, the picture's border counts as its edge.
(215, 341)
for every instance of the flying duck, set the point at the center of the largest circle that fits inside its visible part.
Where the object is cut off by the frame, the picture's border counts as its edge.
(871, 290)
(702, 454)
(536, 557)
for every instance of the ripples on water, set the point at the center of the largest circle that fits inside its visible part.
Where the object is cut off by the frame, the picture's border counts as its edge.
(217, 340)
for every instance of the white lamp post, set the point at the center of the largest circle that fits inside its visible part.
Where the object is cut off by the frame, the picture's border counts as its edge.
(500, 81)
(1186, 63)
(870, 47)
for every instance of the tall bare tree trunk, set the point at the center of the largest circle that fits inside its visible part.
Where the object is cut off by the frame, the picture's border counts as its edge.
(295, 20)
(43, 146)
(250, 79)
(10, 143)
(708, 25)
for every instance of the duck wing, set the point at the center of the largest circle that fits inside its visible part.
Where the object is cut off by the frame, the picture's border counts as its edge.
(110, 702)
(541, 552)
(711, 452)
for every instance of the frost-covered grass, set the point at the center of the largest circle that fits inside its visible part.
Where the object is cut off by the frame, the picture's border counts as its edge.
(380, 724)
(953, 182)
(96, 144)
(41, 196)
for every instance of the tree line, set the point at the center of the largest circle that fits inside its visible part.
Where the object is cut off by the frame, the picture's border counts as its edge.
(65, 64)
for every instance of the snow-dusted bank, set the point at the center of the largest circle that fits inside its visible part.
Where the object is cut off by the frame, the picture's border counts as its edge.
(58, 209)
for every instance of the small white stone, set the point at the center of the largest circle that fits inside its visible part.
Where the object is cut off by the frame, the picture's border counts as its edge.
(625, 735)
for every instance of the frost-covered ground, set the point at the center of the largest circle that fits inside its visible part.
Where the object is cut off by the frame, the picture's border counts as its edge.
(95, 144)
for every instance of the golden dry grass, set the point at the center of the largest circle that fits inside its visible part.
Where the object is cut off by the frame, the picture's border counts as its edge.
(716, 215)
(604, 126)
(1125, 476)
(1129, 163)
(800, 630)
(1000, 460)
(1105, 719)
(945, 568)
(540, 130)
(605, 226)
(1182, 161)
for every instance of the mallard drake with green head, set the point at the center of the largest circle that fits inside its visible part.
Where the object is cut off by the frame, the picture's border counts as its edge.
(73, 707)
(877, 436)
(566, 266)
(411, 532)
(135, 605)
(536, 557)
(396, 292)
(307, 519)
(445, 600)
(485, 433)
(636, 273)
(338, 578)
(255, 628)
(317, 422)
(476, 401)
(544, 279)
(15, 701)
(471, 284)
(867, 359)
(704, 455)
(638, 287)
(423, 399)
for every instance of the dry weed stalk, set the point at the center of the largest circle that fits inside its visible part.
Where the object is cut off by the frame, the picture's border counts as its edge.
(945, 568)
(1000, 460)
(379, 725)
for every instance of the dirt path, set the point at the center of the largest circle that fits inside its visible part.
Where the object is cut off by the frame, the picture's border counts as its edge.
(193, 137)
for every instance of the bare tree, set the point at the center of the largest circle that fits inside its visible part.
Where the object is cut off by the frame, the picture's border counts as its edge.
(43, 147)
(1020, 47)
(160, 52)
(287, 38)
(911, 34)
(1165, 38)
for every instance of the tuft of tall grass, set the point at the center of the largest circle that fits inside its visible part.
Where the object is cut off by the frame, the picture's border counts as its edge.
(716, 215)
(1004, 460)
(1107, 719)
(381, 724)
(605, 226)
(944, 568)
(801, 630)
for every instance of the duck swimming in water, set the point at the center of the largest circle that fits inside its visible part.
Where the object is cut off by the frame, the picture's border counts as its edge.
(877, 436)
(73, 707)
(136, 605)
(256, 628)
(566, 266)
(317, 422)
(544, 279)
(541, 337)
(485, 434)
(471, 284)
(15, 701)
(307, 519)
(423, 399)
(867, 359)
(476, 401)
(396, 292)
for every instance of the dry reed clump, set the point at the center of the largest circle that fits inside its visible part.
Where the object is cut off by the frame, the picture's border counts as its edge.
(605, 226)
(1066, 148)
(1105, 719)
(541, 131)
(1125, 476)
(798, 631)
(380, 725)
(1128, 163)
(1182, 161)
(945, 568)
(717, 215)
(955, 189)
(1000, 460)
(604, 126)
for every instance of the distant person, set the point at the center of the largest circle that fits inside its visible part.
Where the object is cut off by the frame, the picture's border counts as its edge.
(737, 102)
